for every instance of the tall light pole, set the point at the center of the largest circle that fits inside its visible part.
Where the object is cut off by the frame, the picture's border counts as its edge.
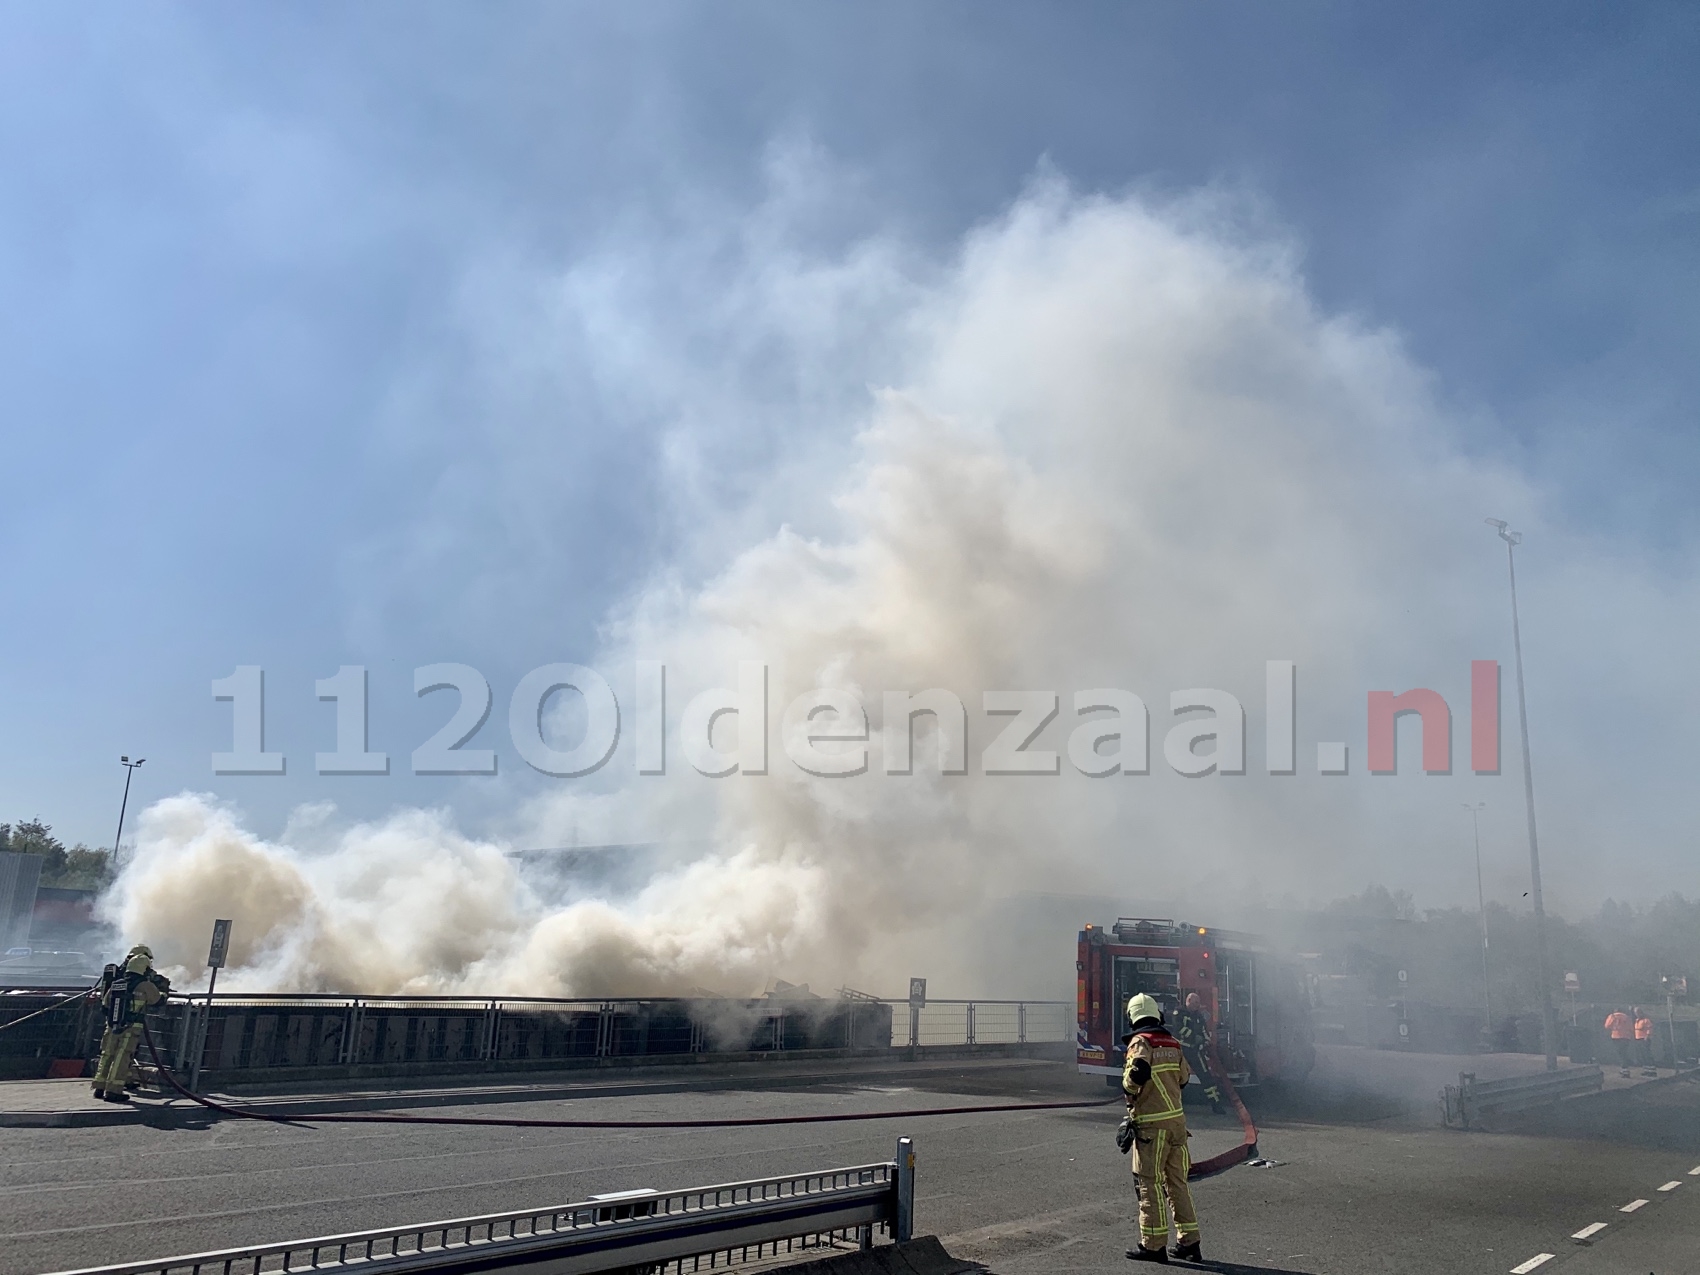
(1475, 810)
(1549, 1024)
(129, 774)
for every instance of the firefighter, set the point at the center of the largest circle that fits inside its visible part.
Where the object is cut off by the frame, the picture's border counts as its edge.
(1644, 1042)
(1192, 1029)
(126, 994)
(1151, 1080)
(1622, 1032)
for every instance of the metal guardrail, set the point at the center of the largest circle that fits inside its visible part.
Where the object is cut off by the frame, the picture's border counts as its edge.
(667, 1232)
(1471, 1099)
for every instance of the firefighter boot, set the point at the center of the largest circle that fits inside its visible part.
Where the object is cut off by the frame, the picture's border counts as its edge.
(1143, 1254)
(1187, 1252)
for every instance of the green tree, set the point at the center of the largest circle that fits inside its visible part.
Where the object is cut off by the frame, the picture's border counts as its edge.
(77, 868)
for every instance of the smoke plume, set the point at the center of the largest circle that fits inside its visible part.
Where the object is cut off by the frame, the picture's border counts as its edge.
(1112, 443)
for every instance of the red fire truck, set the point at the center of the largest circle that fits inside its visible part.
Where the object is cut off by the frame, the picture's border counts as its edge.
(1254, 999)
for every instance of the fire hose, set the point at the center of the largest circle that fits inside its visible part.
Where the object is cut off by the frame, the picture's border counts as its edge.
(1203, 1168)
(1247, 1150)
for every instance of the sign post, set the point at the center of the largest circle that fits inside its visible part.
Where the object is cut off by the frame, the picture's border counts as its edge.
(1675, 985)
(917, 1001)
(216, 955)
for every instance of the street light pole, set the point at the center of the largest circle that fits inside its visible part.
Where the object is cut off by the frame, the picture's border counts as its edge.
(1481, 905)
(129, 774)
(1549, 1024)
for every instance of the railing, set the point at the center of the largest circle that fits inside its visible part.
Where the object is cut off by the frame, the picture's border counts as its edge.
(701, 1228)
(1471, 1099)
(987, 1022)
(242, 1033)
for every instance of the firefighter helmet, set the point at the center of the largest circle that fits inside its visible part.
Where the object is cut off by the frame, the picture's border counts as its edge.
(1141, 1007)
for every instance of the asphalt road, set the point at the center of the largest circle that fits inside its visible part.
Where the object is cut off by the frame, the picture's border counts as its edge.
(1364, 1185)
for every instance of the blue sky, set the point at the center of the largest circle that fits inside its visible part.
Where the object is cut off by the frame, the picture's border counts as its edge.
(272, 394)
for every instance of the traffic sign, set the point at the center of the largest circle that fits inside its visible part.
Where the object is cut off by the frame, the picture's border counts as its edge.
(220, 945)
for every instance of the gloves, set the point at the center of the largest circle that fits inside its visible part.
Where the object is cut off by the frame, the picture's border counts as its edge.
(1125, 1135)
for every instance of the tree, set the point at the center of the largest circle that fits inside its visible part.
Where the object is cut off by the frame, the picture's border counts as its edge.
(79, 868)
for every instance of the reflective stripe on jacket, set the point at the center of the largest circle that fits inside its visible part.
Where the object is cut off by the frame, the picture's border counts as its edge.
(1159, 1097)
(1191, 1029)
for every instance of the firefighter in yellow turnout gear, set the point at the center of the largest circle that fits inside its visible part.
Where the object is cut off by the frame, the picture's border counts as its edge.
(1152, 1078)
(126, 994)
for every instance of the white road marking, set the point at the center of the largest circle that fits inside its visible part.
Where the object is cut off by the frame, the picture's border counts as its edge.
(1632, 1206)
(1670, 1186)
(1593, 1228)
(1694, 1172)
(1530, 1265)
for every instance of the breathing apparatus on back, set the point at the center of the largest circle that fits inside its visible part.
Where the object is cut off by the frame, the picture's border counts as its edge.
(122, 1005)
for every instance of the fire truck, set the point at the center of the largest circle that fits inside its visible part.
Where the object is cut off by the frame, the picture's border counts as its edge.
(1254, 999)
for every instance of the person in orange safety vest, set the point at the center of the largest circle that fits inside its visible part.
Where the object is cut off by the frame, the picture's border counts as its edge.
(1644, 1041)
(1622, 1031)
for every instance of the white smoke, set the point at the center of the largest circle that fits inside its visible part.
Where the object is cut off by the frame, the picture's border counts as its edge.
(1121, 446)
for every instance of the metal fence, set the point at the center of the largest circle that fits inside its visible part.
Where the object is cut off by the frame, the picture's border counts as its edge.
(28, 1048)
(238, 1034)
(701, 1228)
(985, 1022)
(243, 1033)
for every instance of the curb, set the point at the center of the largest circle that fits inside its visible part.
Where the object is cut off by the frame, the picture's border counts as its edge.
(78, 1119)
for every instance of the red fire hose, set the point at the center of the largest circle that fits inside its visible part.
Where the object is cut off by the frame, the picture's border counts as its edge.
(374, 1118)
(1237, 1155)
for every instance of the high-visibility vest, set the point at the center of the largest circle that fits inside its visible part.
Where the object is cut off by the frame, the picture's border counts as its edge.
(1619, 1026)
(1643, 1029)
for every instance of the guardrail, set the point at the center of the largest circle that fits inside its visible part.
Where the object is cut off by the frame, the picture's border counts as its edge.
(1471, 1099)
(665, 1232)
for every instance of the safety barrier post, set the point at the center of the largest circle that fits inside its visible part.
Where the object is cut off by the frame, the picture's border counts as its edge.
(605, 1031)
(185, 1030)
(351, 1033)
(903, 1227)
(1021, 1024)
(492, 1032)
(970, 1029)
(196, 1047)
